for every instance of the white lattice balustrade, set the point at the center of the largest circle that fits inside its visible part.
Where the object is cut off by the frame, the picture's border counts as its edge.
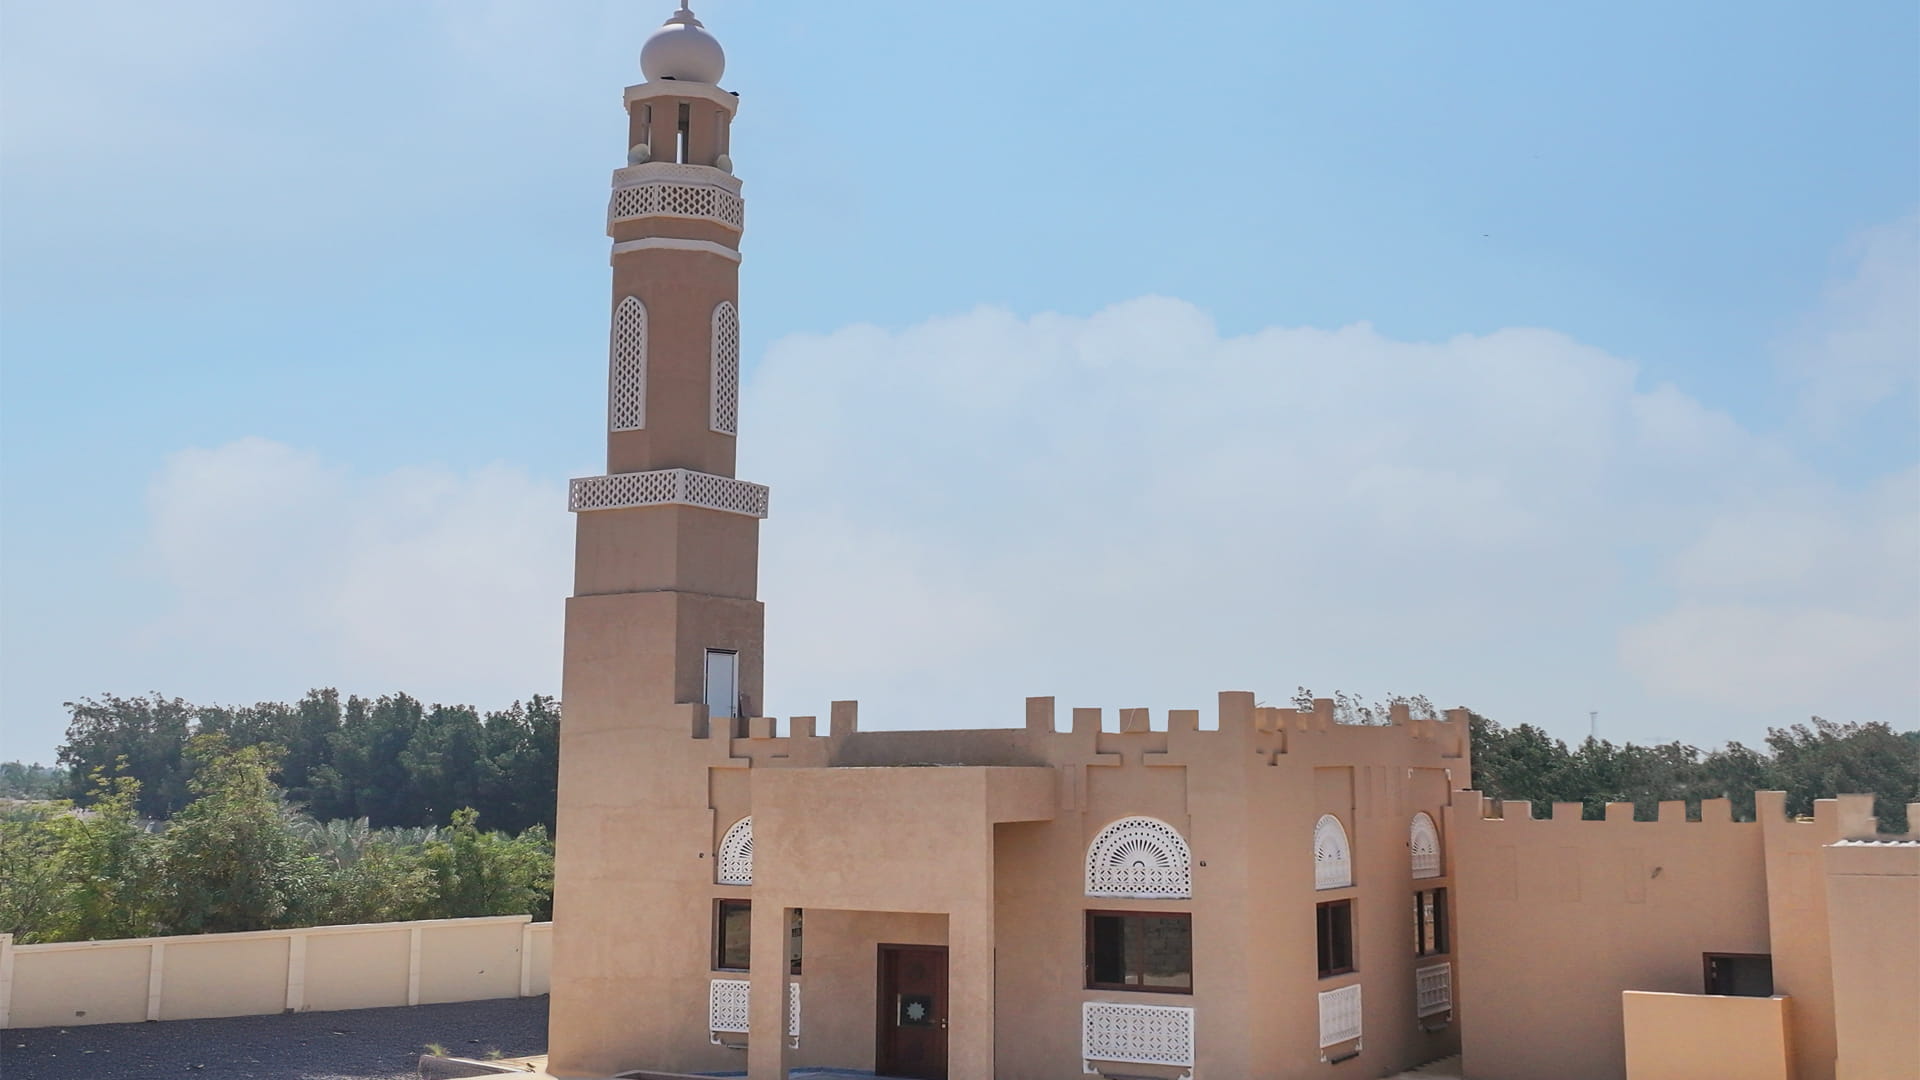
(1339, 1015)
(1135, 1034)
(1433, 989)
(728, 1004)
(734, 863)
(726, 368)
(1141, 857)
(667, 189)
(623, 491)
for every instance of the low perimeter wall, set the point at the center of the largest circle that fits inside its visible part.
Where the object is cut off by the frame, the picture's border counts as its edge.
(1703, 1037)
(318, 968)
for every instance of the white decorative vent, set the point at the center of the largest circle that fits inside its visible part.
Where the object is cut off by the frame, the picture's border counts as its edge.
(1136, 1034)
(1424, 839)
(727, 1007)
(1140, 857)
(735, 861)
(1339, 1015)
(728, 1004)
(726, 368)
(1433, 989)
(627, 381)
(623, 491)
(1332, 864)
(661, 198)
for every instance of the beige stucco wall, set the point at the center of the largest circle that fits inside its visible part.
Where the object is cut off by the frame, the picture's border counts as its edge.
(1557, 917)
(1701, 1037)
(315, 968)
(1873, 912)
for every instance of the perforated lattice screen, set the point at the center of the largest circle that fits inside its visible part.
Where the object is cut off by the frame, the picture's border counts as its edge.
(726, 368)
(735, 861)
(1139, 1034)
(1141, 857)
(1424, 840)
(627, 383)
(1332, 862)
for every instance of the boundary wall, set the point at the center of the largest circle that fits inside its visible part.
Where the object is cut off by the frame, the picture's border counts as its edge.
(312, 968)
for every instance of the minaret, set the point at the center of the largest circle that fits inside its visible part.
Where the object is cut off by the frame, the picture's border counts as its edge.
(669, 529)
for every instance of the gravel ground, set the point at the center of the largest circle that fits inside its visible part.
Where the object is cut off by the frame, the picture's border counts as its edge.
(359, 1044)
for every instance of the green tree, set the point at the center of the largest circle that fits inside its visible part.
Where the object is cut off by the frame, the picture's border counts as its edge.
(481, 873)
(141, 737)
(232, 857)
(30, 886)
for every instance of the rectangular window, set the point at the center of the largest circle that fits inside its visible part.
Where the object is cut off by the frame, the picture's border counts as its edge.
(1739, 974)
(1336, 937)
(793, 942)
(1430, 922)
(732, 935)
(1140, 950)
(723, 684)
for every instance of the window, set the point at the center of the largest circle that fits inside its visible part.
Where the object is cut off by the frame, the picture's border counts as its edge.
(1423, 840)
(1140, 950)
(723, 684)
(1336, 937)
(793, 942)
(1332, 863)
(732, 935)
(1430, 922)
(1739, 974)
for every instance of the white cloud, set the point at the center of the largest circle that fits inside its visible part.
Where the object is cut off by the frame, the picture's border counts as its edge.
(289, 572)
(1862, 345)
(1128, 508)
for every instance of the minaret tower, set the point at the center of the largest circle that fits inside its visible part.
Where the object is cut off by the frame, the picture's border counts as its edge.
(669, 529)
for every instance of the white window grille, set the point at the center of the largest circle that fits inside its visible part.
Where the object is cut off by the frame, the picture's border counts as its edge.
(1140, 857)
(726, 368)
(1332, 862)
(1339, 1015)
(735, 861)
(1424, 839)
(627, 378)
(728, 1004)
(623, 491)
(1136, 1034)
(1433, 989)
(727, 1007)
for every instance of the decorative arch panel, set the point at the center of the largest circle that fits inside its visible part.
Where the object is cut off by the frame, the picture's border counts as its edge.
(1332, 860)
(627, 375)
(726, 369)
(735, 860)
(1424, 840)
(1140, 857)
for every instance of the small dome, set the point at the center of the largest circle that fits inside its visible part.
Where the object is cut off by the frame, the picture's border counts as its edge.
(682, 49)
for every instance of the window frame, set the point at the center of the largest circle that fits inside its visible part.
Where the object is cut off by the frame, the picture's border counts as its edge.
(720, 906)
(1134, 988)
(1442, 941)
(1706, 972)
(1321, 935)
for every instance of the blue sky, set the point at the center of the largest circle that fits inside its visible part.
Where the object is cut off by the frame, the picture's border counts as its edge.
(1542, 358)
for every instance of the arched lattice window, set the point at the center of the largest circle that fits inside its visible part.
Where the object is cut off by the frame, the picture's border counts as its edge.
(1332, 862)
(627, 374)
(1141, 857)
(1424, 839)
(726, 368)
(736, 854)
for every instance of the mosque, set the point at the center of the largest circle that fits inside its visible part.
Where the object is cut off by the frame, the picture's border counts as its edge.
(1273, 895)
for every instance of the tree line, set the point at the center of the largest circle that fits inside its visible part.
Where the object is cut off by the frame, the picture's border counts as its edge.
(238, 856)
(392, 760)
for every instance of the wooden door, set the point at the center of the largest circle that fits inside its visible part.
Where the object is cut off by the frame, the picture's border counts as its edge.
(912, 1022)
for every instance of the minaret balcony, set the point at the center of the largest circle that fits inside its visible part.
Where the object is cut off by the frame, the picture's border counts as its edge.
(671, 189)
(662, 487)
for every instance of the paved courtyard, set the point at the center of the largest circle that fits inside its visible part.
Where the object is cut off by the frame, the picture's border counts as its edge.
(360, 1044)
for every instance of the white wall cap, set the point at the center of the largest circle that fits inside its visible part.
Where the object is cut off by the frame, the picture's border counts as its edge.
(656, 171)
(674, 88)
